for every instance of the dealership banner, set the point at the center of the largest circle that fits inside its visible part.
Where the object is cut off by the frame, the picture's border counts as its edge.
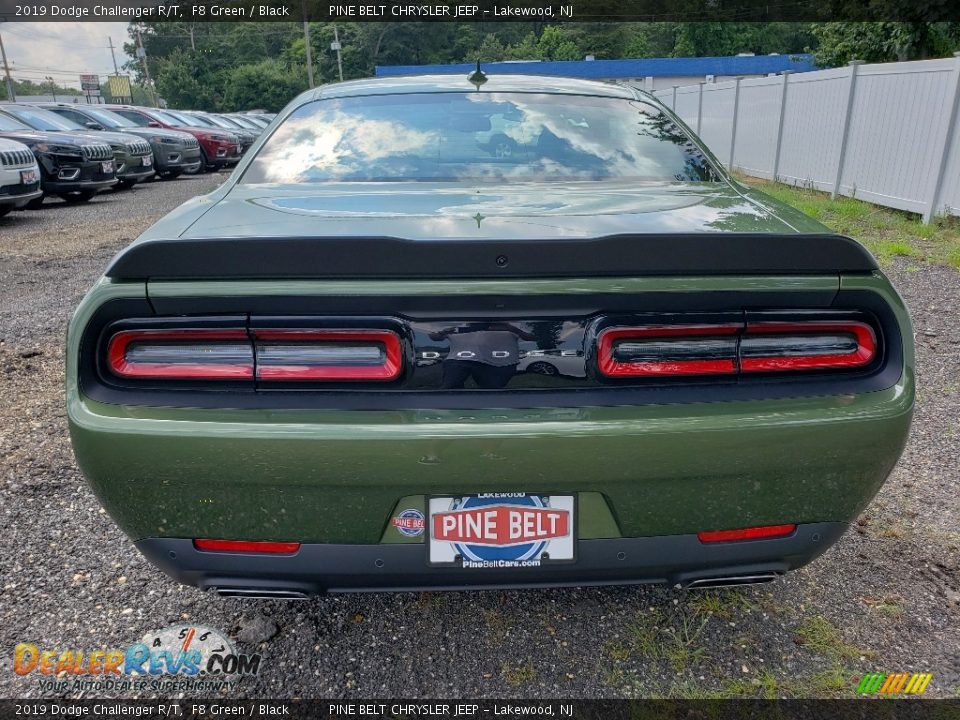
(474, 10)
(476, 709)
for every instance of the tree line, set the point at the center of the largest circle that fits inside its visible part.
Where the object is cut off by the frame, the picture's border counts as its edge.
(236, 65)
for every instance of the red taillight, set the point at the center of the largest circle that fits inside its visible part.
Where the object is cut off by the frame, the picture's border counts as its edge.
(256, 547)
(779, 346)
(189, 354)
(764, 532)
(328, 355)
(729, 349)
(270, 355)
(668, 350)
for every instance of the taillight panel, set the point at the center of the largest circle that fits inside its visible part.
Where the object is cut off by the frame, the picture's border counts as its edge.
(664, 350)
(185, 354)
(373, 361)
(792, 346)
(328, 355)
(268, 355)
(735, 348)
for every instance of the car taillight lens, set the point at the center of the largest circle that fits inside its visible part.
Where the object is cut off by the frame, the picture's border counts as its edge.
(730, 349)
(188, 354)
(765, 532)
(252, 547)
(776, 346)
(328, 355)
(668, 350)
(270, 354)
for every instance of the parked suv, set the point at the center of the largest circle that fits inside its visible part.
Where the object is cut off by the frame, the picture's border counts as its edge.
(213, 121)
(19, 176)
(133, 158)
(219, 148)
(72, 166)
(174, 152)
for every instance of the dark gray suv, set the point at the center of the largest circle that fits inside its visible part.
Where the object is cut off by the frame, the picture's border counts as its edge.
(174, 152)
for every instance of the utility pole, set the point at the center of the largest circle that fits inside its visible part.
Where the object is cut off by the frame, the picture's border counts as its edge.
(53, 87)
(336, 46)
(114, 56)
(306, 41)
(146, 68)
(11, 95)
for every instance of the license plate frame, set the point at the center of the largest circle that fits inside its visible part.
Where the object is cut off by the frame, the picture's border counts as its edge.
(106, 167)
(28, 177)
(518, 556)
(147, 161)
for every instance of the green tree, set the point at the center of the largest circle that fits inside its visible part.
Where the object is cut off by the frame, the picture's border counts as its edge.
(839, 43)
(557, 43)
(268, 84)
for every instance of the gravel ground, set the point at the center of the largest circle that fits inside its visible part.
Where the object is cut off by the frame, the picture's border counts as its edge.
(885, 598)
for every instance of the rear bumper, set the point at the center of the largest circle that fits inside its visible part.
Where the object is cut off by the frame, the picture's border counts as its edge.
(316, 568)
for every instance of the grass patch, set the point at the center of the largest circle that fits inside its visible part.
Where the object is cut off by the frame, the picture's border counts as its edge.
(766, 685)
(887, 233)
(677, 643)
(891, 606)
(517, 675)
(824, 638)
(722, 603)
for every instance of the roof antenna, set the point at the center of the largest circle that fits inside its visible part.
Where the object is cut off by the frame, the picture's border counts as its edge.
(477, 77)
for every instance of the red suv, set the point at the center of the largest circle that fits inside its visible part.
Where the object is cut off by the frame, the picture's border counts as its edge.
(220, 148)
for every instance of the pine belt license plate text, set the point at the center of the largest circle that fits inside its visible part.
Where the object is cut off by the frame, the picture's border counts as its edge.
(501, 530)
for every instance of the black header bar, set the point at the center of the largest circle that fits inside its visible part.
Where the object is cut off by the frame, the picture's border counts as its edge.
(213, 709)
(477, 10)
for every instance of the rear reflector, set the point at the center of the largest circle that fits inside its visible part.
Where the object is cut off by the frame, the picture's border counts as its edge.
(197, 354)
(328, 355)
(668, 350)
(256, 547)
(776, 346)
(764, 532)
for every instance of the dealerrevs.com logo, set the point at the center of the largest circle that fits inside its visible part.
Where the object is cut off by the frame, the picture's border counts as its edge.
(175, 658)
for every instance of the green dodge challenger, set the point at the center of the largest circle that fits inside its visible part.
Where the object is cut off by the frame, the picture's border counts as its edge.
(511, 331)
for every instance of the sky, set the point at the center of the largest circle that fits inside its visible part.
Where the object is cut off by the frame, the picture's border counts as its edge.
(62, 50)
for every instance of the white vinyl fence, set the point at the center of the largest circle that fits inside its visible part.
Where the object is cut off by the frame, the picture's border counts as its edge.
(886, 133)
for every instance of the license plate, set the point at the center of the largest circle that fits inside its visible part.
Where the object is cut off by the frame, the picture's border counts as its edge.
(501, 530)
(28, 177)
(148, 160)
(106, 166)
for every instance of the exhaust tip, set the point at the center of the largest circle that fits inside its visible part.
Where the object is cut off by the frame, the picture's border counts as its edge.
(732, 581)
(261, 593)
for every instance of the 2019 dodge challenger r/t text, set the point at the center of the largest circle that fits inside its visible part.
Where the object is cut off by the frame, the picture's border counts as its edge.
(517, 331)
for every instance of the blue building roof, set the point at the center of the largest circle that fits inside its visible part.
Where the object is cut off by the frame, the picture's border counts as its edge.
(642, 67)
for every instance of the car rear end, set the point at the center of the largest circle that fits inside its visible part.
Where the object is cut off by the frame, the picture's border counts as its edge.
(312, 381)
(726, 428)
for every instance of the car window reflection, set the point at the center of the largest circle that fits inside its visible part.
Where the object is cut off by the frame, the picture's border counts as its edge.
(495, 136)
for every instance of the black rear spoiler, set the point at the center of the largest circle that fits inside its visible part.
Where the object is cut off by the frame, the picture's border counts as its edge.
(388, 258)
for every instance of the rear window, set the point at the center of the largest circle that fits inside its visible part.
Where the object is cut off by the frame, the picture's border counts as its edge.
(478, 137)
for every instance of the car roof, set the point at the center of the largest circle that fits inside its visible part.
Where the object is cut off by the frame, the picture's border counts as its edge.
(456, 83)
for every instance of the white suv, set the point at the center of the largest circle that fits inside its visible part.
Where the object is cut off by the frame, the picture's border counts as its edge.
(19, 176)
